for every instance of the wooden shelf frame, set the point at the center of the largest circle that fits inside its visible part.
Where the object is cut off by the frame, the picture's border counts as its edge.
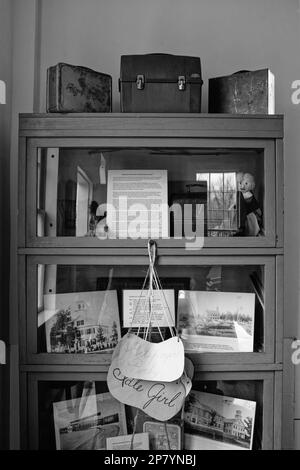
(159, 130)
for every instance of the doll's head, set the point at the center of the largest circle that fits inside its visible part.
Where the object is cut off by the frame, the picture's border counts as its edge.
(245, 182)
(239, 179)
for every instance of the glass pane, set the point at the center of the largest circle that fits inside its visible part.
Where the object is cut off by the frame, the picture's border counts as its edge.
(81, 415)
(230, 200)
(217, 182)
(204, 177)
(230, 182)
(216, 201)
(130, 193)
(86, 309)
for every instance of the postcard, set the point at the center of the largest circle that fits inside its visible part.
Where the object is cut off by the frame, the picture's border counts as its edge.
(81, 322)
(137, 203)
(140, 442)
(163, 436)
(139, 419)
(216, 321)
(87, 422)
(217, 422)
(136, 311)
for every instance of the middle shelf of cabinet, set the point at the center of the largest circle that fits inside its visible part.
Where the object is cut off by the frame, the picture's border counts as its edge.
(74, 309)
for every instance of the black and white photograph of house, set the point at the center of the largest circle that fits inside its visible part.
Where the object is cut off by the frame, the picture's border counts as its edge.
(85, 322)
(218, 422)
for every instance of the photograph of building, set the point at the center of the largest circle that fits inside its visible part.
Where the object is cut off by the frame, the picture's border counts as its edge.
(220, 418)
(85, 322)
(215, 321)
(86, 423)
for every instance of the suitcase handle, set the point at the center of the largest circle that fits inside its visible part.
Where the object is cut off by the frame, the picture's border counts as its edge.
(241, 71)
(140, 82)
(159, 53)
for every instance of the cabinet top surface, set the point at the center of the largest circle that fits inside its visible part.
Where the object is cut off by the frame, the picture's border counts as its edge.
(168, 125)
(153, 115)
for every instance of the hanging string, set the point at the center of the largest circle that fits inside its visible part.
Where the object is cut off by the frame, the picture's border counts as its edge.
(182, 425)
(167, 435)
(152, 275)
(163, 302)
(149, 326)
(147, 312)
(162, 294)
(138, 303)
(134, 428)
(154, 285)
(153, 282)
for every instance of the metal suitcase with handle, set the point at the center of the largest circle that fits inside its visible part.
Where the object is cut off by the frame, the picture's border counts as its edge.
(160, 83)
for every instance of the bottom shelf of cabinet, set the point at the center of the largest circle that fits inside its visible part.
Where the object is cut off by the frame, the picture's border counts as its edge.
(225, 410)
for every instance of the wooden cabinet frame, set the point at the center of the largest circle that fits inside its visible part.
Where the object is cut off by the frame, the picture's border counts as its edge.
(142, 130)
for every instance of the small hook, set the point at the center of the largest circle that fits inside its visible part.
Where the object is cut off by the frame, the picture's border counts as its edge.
(152, 250)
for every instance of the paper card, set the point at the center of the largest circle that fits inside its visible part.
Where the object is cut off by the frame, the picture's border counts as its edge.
(160, 400)
(136, 308)
(187, 377)
(140, 442)
(189, 368)
(163, 436)
(187, 383)
(137, 203)
(151, 361)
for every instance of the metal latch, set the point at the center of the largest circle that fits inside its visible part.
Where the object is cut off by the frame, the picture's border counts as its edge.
(181, 82)
(140, 82)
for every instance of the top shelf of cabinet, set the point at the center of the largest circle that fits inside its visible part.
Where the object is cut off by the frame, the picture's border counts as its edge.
(62, 153)
(152, 125)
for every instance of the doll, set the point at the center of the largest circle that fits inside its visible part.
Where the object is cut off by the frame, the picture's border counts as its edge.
(250, 213)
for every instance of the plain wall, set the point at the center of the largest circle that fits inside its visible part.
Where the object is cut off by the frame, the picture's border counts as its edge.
(228, 35)
(5, 114)
(25, 57)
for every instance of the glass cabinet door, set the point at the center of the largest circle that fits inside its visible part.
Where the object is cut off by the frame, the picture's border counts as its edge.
(79, 307)
(223, 411)
(121, 196)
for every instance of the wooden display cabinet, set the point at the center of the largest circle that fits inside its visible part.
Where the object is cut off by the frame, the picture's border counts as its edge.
(60, 160)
